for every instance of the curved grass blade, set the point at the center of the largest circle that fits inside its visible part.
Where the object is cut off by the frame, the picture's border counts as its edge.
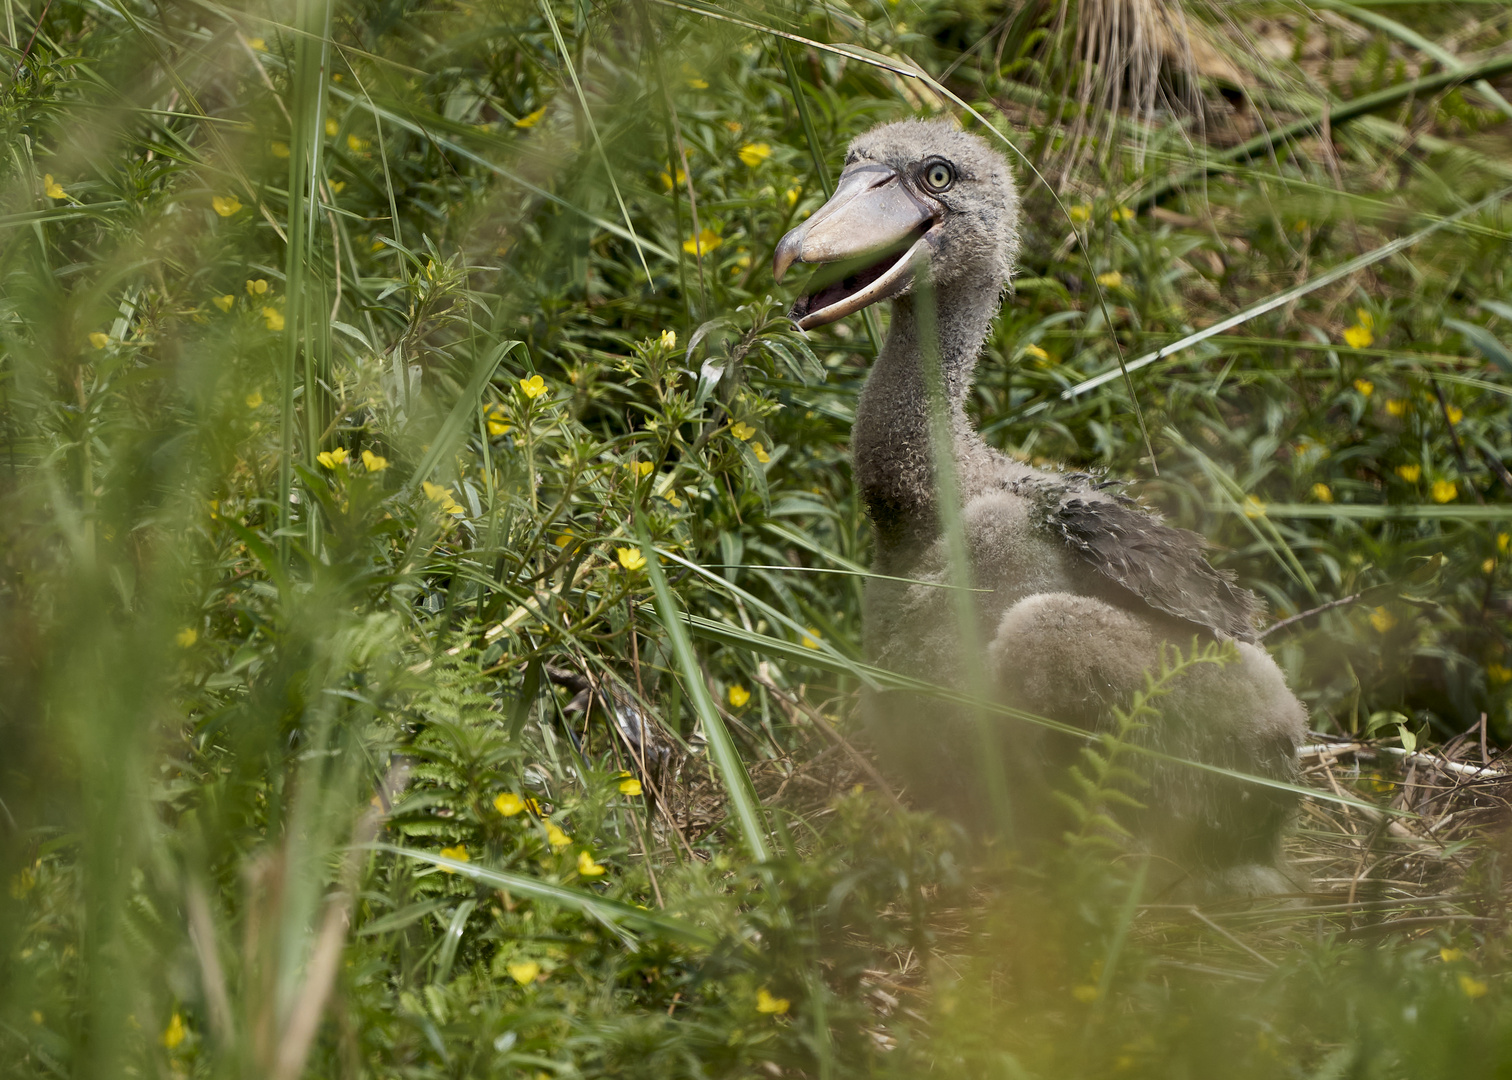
(1423, 45)
(778, 649)
(593, 129)
(1338, 112)
(612, 913)
(378, 112)
(1384, 512)
(738, 786)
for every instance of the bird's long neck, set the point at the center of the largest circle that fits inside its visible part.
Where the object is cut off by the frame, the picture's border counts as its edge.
(890, 443)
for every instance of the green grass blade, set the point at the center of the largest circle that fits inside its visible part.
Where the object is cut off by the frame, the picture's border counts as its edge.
(722, 749)
(1283, 298)
(566, 55)
(611, 913)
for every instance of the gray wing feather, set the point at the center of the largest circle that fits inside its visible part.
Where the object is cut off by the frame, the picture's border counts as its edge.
(1163, 565)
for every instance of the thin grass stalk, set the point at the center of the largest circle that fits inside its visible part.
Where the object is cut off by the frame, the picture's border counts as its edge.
(598, 143)
(883, 679)
(726, 755)
(1280, 299)
(821, 167)
(957, 554)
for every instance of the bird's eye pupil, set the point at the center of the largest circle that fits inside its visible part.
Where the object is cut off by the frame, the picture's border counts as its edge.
(939, 176)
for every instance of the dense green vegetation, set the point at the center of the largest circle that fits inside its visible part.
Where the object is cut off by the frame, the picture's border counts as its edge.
(376, 377)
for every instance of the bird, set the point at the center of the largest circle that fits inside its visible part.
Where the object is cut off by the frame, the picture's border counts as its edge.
(1079, 590)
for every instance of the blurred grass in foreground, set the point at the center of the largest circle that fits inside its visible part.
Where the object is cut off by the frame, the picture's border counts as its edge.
(343, 345)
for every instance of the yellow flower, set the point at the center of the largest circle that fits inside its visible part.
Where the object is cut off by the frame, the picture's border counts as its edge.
(631, 558)
(1489, 566)
(1444, 491)
(1449, 956)
(273, 318)
(1123, 213)
(533, 387)
(669, 339)
(1086, 993)
(332, 458)
(556, 837)
(760, 452)
(186, 637)
(734, 126)
(1455, 413)
(332, 127)
(667, 180)
(811, 639)
(175, 1033)
(697, 84)
(226, 205)
(53, 189)
(373, 462)
(1322, 492)
(629, 785)
(1081, 214)
(530, 120)
(223, 302)
(1365, 387)
(563, 540)
(1358, 337)
(742, 430)
(766, 1003)
(1382, 620)
(1253, 507)
(753, 154)
(258, 43)
(99, 340)
(1396, 407)
(457, 853)
(508, 804)
(1472, 987)
(1410, 473)
(1364, 318)
(1504, 542)
(1497, 674)
(280, 149)
(1037, 352)
(497, 425)
(357, 145)
(257, 287)
(442, 497)
(790, 196)
(640, 468)
(523, 972)
(587, 867)
(337, 186)
(739, 695)
(1111, 280)
(706, 242)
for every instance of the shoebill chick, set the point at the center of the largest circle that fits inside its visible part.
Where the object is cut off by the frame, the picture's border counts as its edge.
(1086, 586)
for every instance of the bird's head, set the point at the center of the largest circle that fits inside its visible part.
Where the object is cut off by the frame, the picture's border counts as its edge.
(915, 197)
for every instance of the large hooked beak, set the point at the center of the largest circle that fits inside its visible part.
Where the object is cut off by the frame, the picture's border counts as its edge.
(875, 233)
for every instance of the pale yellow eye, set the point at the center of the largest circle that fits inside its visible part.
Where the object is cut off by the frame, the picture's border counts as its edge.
(939, 176)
